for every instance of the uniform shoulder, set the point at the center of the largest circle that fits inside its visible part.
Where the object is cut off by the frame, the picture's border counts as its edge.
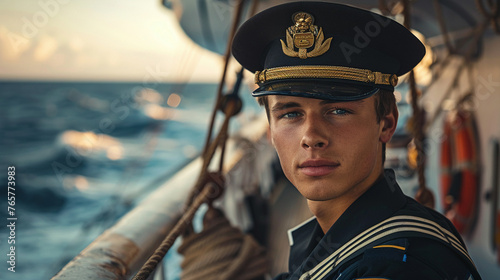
(413, 208)
(408, 258)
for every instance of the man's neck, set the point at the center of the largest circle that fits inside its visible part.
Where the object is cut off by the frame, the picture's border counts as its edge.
(329, 211)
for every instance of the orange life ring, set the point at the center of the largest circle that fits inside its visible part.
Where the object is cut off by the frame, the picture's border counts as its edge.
(459, 170)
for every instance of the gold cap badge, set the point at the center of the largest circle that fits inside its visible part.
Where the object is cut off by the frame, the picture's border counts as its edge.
(302, 36)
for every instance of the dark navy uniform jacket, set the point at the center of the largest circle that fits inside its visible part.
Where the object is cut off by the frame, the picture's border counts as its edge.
(404, 255)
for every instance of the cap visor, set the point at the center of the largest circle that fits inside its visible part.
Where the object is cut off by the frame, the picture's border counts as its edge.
(316, 89)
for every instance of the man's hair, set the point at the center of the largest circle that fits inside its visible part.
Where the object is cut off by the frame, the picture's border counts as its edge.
(385, 103)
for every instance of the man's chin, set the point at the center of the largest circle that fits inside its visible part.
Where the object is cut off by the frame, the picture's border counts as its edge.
(319, 197)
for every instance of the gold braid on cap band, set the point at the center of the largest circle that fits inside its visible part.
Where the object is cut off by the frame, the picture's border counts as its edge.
(325, 72)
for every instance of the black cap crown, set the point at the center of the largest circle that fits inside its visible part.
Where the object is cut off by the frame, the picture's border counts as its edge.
(325, 50)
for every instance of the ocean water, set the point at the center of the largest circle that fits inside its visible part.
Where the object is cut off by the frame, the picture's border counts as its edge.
(83, 154)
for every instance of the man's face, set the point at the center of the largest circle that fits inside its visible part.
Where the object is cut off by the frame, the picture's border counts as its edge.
(327, 150)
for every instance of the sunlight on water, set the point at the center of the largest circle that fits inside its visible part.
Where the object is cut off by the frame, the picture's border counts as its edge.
(86, 151)
(158, 112)
(90, 141)
(81, 183)
(149, 95)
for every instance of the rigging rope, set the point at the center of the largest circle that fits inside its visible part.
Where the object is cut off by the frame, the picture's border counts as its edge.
(477, 34)
(442, 25)
(209, 185)
(493, 15)
(227, 55)
(179, 228)
(207, 188)
(424, 195)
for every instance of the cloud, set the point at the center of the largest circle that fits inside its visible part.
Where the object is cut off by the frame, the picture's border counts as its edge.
(76, 44)
(45, 48)
(81, 42)
(12, 45)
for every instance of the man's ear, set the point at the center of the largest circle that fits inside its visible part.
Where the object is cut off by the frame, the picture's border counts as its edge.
(388, 125)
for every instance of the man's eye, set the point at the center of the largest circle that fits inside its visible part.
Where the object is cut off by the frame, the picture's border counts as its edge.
(289, 115)
(339, 111)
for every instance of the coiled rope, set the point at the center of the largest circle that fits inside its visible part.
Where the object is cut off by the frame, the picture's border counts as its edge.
(221, 252)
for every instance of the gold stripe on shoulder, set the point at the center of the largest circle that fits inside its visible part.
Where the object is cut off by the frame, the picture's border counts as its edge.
(390, 246)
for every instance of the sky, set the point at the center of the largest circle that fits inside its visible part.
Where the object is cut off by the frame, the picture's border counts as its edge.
(99, 40)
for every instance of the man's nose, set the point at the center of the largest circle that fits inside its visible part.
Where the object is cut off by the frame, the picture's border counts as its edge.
(315, 134)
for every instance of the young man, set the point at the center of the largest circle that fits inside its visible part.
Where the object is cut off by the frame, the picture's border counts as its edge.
(326, 74)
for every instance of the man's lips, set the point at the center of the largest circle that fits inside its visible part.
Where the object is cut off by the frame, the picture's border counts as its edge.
(318, 168)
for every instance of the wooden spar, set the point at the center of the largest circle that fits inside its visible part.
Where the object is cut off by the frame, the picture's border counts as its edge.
(123, 247)
(121, 250)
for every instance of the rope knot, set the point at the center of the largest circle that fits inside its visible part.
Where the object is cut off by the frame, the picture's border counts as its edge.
(215, 182)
